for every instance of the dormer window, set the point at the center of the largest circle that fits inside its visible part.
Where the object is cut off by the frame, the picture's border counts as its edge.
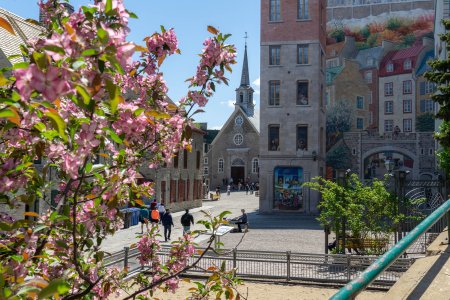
(407, 64)
(390, 67)
(370, 61)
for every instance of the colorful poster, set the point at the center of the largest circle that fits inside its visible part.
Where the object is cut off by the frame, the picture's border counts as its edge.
(288, 188)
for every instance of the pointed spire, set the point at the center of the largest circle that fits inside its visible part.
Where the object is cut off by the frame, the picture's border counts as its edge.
(245, 78)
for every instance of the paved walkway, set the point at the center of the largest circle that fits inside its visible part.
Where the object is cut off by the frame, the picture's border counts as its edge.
(275, 232)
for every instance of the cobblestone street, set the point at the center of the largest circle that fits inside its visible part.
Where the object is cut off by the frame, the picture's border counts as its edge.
(285, 231)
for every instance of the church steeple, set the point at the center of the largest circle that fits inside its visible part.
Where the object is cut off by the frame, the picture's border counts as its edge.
(245, 78)
(244, 93)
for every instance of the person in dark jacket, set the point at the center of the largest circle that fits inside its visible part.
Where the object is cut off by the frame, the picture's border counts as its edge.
(167, 222)
(186, 220)
(242, 220)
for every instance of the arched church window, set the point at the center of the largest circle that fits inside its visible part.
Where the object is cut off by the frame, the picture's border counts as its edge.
(220, 165)
(238, 139)
(255, 165)
(241, 97)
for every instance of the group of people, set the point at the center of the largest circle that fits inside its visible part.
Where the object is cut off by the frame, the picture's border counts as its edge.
(249, 187)
(158, 214)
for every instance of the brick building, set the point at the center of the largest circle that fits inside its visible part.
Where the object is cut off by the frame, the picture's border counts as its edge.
(292, 130)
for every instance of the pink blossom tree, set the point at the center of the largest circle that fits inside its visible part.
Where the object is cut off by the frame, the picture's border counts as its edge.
(80, 97)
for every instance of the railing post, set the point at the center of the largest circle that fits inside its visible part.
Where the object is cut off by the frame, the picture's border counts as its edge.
(288, 265)
(349, 263)
(234, 258)
(125, 259)
(448, 228)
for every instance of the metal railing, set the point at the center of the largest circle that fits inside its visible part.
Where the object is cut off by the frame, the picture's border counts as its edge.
(283, 266)
(353, 288)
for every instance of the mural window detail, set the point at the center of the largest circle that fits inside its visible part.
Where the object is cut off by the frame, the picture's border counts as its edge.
(368, 76)
(220, 164)
(359, 123)
(274, 92)
(205, 160)
(407, 125)
(388, 125)
(302, 93)
(407, 106)
(388, 89)
(389, 107)
(302, 54)
(274, 137)
(407, 65)
(302, 137)
(255, 165)
(275, 10)
(288, 188)
(359, 102)
(303, 9)
(407, 87)
(390, 67)
(205, 170)
(238, 139)
(274, 55)
(426, 106)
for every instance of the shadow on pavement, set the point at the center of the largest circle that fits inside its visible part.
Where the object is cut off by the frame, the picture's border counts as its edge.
(282, 221)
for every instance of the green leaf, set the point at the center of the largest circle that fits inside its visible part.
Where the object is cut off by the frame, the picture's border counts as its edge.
(21, 65)
(78, 64)
(114, 95)
(103, 35)
(40, 59)
(132, 15)
(138, 112)
(55, 49)
(7, 113)
(56, 286)
(84, 94)
(108, 7)
(113, 135)
(40, 126)
(58, 123)
(88, 167)
(115, 63)
(89, 52)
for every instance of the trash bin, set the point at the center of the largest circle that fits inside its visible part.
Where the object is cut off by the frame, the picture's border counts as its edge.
(126, 215)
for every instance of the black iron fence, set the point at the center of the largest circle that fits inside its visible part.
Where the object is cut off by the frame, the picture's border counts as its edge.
(285, 266)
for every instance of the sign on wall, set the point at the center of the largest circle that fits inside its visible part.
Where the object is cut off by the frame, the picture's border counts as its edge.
(288, 188)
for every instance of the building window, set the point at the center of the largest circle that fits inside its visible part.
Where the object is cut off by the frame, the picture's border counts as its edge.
(359, 123)
(241, 97)
(426, 106)
(430, 87)
(407, 106)
(370, 62)
(389, 89)
(239, 120)
(303, 9)
(388, 107)
(275, 10)
(274, 137)
(368, 76)
(430, 151)
(238, 139)
(302, 93)
(220, 165)
(274, 55)
(388, 125)
(390, 67)
(359, 102)
(302, 54)
(274, 92)
(198, 160)
(407, 125)
(185, 159)
(205, 160)
(302, 137)
(205, 170)
(407, 65)
(407, 87)
(255, 165)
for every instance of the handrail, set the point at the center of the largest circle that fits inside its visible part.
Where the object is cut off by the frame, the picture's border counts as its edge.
(354, 287)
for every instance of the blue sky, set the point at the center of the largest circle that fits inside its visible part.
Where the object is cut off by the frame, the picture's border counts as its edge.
(189, 18)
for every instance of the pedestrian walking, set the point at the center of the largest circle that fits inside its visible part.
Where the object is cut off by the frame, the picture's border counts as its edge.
(186, 220)
(154, 216)
(143, 218)
(167, 223)
(228, 190)
(247, 188)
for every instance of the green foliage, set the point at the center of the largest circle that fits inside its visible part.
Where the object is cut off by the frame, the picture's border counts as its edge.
(408, 40)
(366, 209)
(339, 157)
(440, 74)
(362, 45)
(338, 34)
(393, 24)
(425, 123)
(373, 39)
(339, 117)
(365, 31)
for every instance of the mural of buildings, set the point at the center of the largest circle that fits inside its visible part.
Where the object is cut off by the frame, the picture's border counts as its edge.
(233, 154)
(292, 138)
(397, 88)
(346, 84)
(424, 88)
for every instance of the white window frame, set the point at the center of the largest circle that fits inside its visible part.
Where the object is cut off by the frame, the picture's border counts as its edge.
(407, 87)
(389, 125)
(389, 104)
(389, 89)
(205, 160)
(407, 125)
(390, 67)
(220, 165)
(405, 106)
(255, 165)
(205, 170)
(358, 99)
(238, 139)
(407, 64)
(368, 76)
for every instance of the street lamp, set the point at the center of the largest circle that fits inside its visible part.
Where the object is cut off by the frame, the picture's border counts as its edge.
(389, 164)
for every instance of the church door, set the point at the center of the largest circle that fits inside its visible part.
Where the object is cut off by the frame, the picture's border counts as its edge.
(238, 174)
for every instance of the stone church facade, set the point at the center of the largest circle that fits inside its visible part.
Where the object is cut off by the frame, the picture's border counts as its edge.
(233, 155)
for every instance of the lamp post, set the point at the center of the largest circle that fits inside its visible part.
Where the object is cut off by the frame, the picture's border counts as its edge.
(341, 175)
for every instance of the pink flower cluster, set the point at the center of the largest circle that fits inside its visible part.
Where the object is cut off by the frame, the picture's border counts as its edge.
(148, 247)
(162, 44)
(11, 180)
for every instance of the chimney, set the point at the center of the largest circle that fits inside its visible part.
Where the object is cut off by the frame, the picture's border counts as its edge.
(427, 41)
